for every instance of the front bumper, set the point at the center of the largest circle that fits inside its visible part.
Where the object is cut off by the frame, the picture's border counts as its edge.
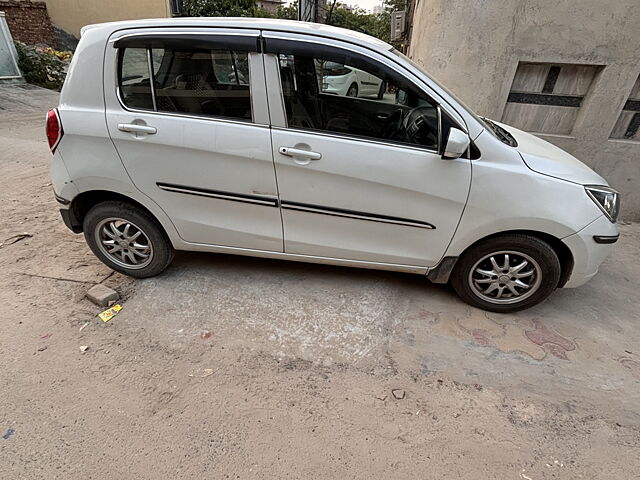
(590, 246)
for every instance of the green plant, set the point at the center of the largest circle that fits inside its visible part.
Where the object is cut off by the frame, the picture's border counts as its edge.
(42, 66)
(236, 8)
(219, 8)
(378, 25)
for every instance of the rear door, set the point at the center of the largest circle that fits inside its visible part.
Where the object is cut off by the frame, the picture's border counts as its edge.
(189, 119)
(360, 178)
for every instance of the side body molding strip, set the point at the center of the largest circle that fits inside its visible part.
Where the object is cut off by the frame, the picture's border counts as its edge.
(269, 201)
(339, 212)
(234, 197)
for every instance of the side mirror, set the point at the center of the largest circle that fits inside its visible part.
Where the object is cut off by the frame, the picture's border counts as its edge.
(457, 143)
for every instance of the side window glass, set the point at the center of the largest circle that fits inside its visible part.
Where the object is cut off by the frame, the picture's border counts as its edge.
(204, 82)
(197, 82)
(135, 86)
(231, 68)
(330, 95)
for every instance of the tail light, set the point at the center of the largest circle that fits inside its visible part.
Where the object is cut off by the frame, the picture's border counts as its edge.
(54, 129)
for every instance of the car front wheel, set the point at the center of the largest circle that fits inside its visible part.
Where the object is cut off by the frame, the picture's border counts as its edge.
(507, 273)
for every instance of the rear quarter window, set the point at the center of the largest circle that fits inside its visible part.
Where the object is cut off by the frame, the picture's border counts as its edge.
(135, 84)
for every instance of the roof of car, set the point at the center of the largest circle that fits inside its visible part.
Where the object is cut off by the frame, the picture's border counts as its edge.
(254, 23)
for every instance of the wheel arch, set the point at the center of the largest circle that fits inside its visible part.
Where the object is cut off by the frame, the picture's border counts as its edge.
(441, 273)
(85, 201)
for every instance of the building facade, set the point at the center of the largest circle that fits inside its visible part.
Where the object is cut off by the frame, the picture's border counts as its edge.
(72, 15)
(567, 71)
(28, 21)
(270, 6)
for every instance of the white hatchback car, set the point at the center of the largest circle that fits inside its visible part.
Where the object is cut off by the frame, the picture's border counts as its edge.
(214, 135)
(349, 81)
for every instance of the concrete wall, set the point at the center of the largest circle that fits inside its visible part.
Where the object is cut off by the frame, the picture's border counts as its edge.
(474, 46)
(28, 21)
(72, 15)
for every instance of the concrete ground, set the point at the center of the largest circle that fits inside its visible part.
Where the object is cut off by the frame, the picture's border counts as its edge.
(233, 367)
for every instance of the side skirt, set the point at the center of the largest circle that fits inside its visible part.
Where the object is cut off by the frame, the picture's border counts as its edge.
(199, 247)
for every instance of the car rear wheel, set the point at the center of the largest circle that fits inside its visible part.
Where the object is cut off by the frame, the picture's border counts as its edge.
(127, 239)
(353, 90)
(507, 273)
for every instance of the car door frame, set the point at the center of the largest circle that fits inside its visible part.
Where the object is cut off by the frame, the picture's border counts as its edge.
(278, 118)
(259, 110)
(259, 105)
(276, 100)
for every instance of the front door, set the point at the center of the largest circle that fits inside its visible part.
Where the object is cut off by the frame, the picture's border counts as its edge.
(361, 178)
(191, 136)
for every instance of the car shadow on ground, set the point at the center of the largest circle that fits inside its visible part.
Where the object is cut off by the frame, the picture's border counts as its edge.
(213, 263)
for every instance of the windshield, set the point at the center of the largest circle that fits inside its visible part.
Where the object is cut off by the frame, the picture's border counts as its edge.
(491, 128)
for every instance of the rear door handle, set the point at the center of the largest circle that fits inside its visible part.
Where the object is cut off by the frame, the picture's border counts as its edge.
(297, 152)
(135, 128)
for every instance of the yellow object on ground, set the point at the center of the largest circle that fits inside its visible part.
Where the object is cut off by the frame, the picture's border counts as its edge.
(110, 313)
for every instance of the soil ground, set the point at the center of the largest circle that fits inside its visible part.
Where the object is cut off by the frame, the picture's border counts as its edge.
(232, 367)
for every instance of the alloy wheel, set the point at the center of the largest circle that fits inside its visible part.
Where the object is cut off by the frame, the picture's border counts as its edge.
(124, 243)
(505, 277)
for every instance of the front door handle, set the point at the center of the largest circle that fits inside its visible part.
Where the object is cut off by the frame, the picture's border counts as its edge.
(135, 128)
(297, 152)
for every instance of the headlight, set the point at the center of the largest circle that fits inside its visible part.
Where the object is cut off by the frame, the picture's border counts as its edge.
(606, 198)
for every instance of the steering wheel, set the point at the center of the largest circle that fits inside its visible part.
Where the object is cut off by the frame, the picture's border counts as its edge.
(420, 126)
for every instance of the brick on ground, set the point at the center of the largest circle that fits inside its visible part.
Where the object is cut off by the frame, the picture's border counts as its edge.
(101, 295)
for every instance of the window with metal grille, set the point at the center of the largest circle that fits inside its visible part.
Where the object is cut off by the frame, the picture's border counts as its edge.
(546, 98)
(628, 125)
(176, 8)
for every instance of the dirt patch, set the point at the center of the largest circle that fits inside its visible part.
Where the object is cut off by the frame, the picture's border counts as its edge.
(239, 368)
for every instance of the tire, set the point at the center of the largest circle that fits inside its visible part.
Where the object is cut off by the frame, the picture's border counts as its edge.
(473, 279)
(138, 255)
(353, 90)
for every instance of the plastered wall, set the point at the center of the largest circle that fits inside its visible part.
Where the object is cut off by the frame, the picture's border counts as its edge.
(474, 47)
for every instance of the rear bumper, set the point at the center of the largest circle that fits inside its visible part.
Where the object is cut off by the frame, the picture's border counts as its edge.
(590, 246)
(64, 190)
(61, 201)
